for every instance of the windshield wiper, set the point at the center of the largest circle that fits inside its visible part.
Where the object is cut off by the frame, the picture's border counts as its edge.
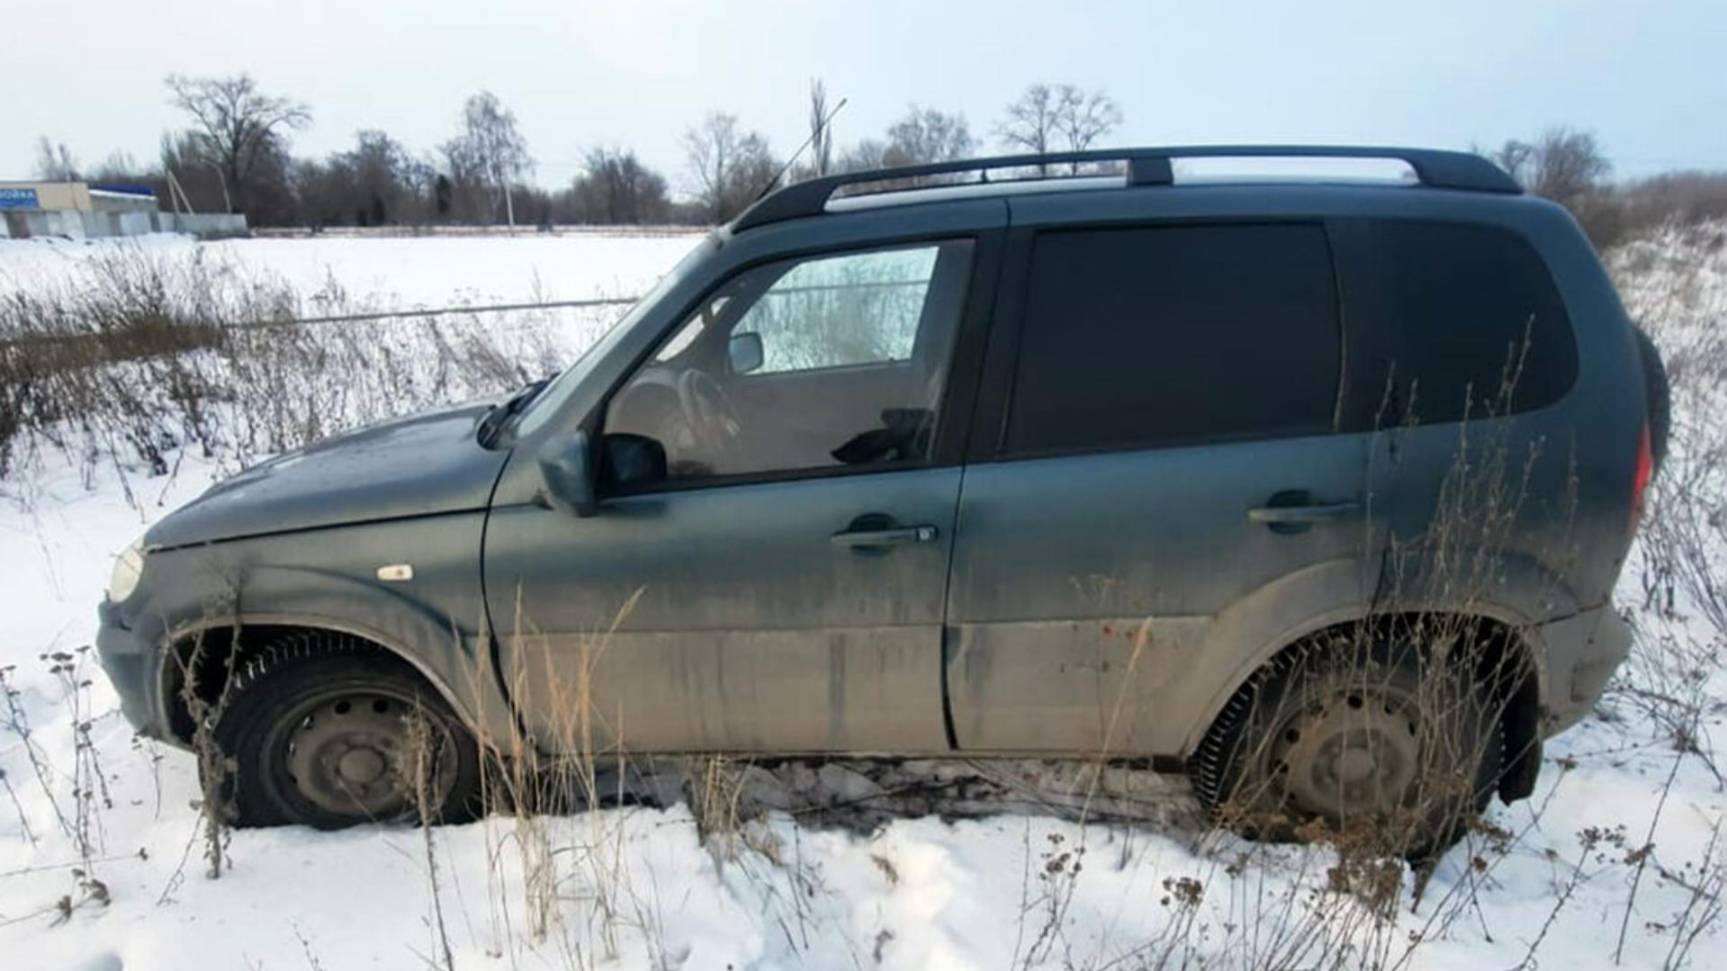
(500, 413)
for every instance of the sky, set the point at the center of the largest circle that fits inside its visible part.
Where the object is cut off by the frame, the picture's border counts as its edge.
(1646, 78)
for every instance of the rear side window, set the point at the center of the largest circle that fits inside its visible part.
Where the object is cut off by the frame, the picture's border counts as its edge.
(1175, 335)
(1446, 321)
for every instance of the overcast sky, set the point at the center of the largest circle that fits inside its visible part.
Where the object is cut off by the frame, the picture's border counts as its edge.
(1649, 78)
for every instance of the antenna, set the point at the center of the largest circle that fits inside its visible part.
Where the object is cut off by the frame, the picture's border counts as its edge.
(823, 127)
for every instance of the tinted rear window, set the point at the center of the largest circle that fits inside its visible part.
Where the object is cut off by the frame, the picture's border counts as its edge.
(1448, 320)
(1175, 335)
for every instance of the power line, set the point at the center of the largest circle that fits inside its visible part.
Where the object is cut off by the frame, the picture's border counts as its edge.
(439, 312)
(52, 339)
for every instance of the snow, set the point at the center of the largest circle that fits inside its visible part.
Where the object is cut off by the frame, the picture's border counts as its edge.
(399, 272)
(639, 888)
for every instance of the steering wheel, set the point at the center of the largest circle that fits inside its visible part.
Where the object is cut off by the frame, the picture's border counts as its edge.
(708, 410)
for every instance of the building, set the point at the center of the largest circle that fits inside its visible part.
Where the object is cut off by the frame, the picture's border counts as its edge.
(79, 210)
(77, 196)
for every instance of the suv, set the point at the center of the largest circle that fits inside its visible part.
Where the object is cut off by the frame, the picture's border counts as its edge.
(1315, 489)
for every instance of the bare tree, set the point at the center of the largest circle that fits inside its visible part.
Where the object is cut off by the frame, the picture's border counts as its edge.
(375, 183)
(821, 133)
(1568, 165)
(1030, 122)
(119, 166)
(923, 135)
(1083, 117)
(490, 148)
(464, 192)
(615, 188)
(235, 127)
(381, 173)
(868, 153)
(729, 167)
(1514, 157)
(1049, 116)
(54, 162)
(927, 135)
(1563, 164)
(711, 151)
(200, 182)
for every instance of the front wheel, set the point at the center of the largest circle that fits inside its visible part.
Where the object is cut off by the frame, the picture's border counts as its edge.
(1372, 743)
(322, 732)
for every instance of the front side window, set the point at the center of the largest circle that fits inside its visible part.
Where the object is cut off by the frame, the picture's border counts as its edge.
(843, 312)
(828, 361)
(548, 402)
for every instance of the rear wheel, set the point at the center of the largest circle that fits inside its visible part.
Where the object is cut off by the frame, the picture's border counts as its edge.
(1371, 744)
(324, 732)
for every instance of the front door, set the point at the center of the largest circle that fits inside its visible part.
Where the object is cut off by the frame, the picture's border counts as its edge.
(767, 569)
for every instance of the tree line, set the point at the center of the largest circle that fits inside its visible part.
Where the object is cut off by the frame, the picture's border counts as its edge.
(1569, 167)
(233, 154)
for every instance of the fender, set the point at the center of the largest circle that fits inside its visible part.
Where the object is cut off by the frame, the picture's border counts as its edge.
(436, 622)
(468, 687)
(1523, 594)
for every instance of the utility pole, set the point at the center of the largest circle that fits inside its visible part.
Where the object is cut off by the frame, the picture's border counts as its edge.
(177, 194)
(227, 204)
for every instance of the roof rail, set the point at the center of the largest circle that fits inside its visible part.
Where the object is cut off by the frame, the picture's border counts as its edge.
(1145, 166)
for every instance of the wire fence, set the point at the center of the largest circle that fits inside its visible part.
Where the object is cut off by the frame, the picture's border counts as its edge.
(61, 339)
(40, 340)
(441, 311)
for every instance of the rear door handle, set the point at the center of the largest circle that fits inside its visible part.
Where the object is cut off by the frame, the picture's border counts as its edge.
(891, 536)
(1295, 511)
(1317, 513)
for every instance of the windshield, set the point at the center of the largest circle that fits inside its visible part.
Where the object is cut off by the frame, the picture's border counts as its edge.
(547, 402)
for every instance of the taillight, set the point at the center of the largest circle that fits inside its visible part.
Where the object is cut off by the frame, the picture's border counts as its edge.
(1640, 480)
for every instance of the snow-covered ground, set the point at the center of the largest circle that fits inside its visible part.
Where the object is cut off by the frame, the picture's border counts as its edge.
(399, 272)
(638, 888)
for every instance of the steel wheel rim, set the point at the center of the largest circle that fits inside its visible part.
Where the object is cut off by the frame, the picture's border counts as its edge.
(353, 753)
(1351, 751)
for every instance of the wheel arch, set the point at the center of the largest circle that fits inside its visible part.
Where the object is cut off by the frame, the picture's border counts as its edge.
(227, 642)
(1510, 663)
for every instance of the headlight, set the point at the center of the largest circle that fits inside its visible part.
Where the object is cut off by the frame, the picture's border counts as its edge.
(128, 568)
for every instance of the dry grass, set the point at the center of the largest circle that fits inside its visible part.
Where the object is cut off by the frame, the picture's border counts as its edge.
(145, 356)
(560, 887)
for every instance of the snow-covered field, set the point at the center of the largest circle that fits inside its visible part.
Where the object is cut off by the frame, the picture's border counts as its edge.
(399, 272)
(1614, 861)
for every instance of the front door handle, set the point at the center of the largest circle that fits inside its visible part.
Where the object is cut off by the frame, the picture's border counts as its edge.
(865, 539)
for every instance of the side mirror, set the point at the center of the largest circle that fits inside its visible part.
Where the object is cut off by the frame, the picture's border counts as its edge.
(745, 352)
(567, 466)
(632, 460)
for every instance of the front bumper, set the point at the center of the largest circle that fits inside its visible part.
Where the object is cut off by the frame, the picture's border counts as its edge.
(1582, 652)
(130, 662)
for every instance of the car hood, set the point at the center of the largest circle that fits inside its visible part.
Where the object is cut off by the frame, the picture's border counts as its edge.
(418, 466)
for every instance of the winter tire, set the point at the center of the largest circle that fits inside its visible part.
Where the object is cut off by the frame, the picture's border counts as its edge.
(322, 731)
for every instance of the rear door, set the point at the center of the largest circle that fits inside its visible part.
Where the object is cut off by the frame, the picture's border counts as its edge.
(1156, 444)
(1455, 327)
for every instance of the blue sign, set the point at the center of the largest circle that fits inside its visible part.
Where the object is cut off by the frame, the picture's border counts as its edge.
(125, 190)
(18, 199)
